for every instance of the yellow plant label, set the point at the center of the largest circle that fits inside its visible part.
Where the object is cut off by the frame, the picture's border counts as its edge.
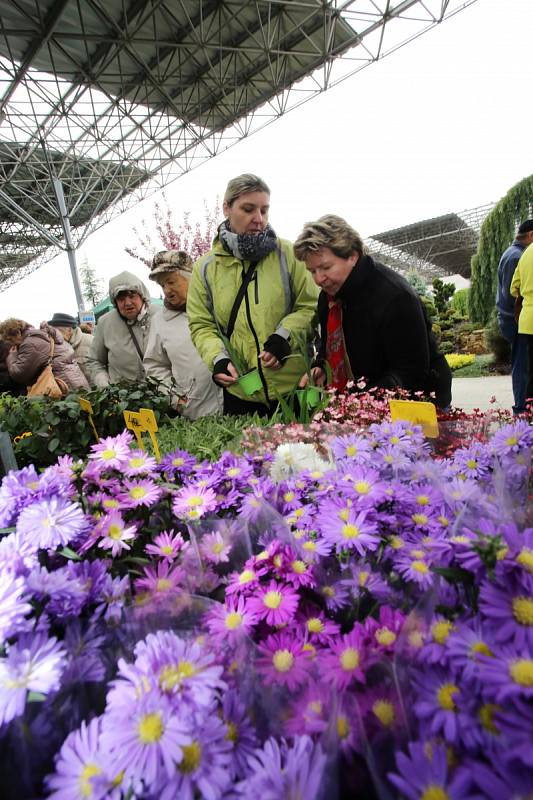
(148, 418)
(85, 405)
(140, 422)
(417, 413)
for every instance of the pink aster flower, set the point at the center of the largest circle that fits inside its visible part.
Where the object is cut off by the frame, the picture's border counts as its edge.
(244, 582)
(167, 545)
(228, 623)
(354, 531)
(317, 627)
(161, 579)
(139, 463)
(116, 534)
(215, 548)
(137, 493)
(193, 502)
(275, 603)
(344, 660)
(282, 660)
(112, 452)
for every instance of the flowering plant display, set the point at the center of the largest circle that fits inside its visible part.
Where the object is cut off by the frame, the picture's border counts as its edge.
(355, 622)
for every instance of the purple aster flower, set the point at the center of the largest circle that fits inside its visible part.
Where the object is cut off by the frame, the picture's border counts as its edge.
(280, 771)
(179, 462)
(515, 723)
(193, 501)
(143, 736)
(142, 492)
(313, 549)
(18, 555)
(240, 731)
(84, 647)
(365, 580)
(215, 548)
(507, 674)
(67, 595)
(230, 622)
(509, 606)
(310, 711)
(113, 595)
(428, 776)
(282, 660)
(382, 712)
(17, 488)
(466, 642)
(355, 532)
(335, 594)
(205, 768)
(167, 545)
(112, 452)
(81, 768)
(116, 533)
(160, 579)
(438, 704)
(276, 603)
(186, 670)
(344, 659)
(415, 570)
(502, 780)
(436, 648)
(382, 633)
(316, 627)
(139, 463)
(512, 438)
(52, 522)
(246, 581)
(353, 447)
(474, 461)
(33, 664)
(13, 606)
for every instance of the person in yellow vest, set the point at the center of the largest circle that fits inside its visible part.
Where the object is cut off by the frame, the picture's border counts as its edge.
(522, 290)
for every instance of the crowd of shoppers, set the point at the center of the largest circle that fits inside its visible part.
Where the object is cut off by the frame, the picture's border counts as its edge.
(254, 301)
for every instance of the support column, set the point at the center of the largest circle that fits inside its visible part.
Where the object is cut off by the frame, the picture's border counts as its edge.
(70, 248)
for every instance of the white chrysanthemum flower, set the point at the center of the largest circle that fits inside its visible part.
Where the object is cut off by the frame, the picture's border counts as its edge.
(291, 459)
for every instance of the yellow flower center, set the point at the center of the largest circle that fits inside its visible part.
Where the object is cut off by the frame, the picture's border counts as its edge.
(328, 591)
(309, 546)
(137, 492)
(480, 647)
(351, 450)
(420, 566)
(385, 636)
(88, 772)
(501, 553)
(107, 455)
(163, 585)
(444, 521)
(343, 727)
(417, 553)
(174, 674)
(178, 462)
(192, 753)
(233, 620)
(233, 472)
(136, 462)
(511, 441)
(349, 659)
(283, 660)
(315, 625)
(110, 503)
(396, 543)
(166, 549)
(445, 696)
(363, 578)
(416, 639)
(384, 711)
(150, 728)
(486, 717)
(422, 499)
(440, 631)
(315, 706)
(525, 558)
(217, 548)
(394, 440)
(523, 610)
(288, 496)
(419, 519)
(350, 531)
(471, 463)
(362, 487)
(273, 599)
(114, 531)
(246, 576)
(521, 671)
(344, 514)
(195, 500)
(434, 792)
(299, 567)
(233, 732)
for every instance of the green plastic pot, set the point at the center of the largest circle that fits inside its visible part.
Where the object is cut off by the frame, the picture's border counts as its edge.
(310, 395)
(250, 383)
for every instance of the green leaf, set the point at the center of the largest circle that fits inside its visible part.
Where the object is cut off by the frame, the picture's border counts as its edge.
(68, 553)
(36, 697)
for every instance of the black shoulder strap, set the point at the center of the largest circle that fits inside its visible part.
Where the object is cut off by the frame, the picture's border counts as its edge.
(246, 279)
(134, 339)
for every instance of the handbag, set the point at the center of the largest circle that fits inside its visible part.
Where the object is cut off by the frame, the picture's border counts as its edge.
(47, 385)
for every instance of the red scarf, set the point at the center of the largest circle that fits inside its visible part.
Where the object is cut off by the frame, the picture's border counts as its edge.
(335, 349)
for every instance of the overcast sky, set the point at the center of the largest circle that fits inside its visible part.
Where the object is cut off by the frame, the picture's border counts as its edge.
(444, 124)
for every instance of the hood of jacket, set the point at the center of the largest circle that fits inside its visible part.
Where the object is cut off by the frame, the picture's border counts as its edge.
(127, 282)
(49, 331)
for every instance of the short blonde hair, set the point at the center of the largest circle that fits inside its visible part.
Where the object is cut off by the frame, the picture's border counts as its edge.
(12, 327)
(244, 184)
(329, 231)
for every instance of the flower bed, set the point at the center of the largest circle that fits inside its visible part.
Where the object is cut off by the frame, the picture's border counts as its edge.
(355, 622)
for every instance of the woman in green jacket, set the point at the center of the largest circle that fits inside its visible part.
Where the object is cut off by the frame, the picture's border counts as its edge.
(251, 291)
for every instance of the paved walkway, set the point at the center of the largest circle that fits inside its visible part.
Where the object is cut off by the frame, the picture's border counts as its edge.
(470, 393)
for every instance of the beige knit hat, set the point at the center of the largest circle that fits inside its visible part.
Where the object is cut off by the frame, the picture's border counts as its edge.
(170, 261)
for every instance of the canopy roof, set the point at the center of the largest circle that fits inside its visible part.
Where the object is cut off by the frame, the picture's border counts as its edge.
(116, 98)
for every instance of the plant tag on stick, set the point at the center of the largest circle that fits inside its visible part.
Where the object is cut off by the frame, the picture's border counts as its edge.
(86, 406)
(140, 422)
(417, 413)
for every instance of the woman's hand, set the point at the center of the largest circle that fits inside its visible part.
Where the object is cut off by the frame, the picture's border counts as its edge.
(319, 378)
(268, 360)
(228, 377)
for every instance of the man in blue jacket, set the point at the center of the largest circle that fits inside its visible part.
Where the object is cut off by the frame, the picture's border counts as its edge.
(505, 305)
